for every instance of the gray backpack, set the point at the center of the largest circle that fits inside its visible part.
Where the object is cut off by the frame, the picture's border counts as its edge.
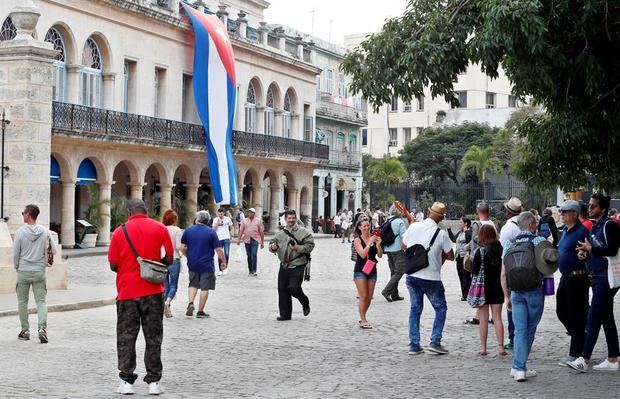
(520, 263)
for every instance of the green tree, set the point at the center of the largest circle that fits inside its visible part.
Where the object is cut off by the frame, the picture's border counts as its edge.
(507, 144)
(563, 54)
(481, 161)
(388, 171)
(436, 153)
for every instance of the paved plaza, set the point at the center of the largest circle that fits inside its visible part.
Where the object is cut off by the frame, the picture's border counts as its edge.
(242, 351)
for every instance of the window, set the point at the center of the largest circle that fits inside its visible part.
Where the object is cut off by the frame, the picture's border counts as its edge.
(286, 117)
(364, 137)
(462, 97)
(421, 103)
(159, 92)
(308, 122)
(250, 109)
(7, 31)
(407, 106)
(189, 111)
(124, 106)
(352, 142)
(393, 137)
(342, 87)
(270, 117)
(329, 138)
(329, 80)
(490, 100)
(394, 105)
(407, 135)
(512, 101)
(340, 141)
(91, 93)
(60, 67)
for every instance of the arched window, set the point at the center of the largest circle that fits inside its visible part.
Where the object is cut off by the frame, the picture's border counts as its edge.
(8, 31)
(60, 64)
(352, 142)
(286, 117)
(250, 109)
(329, 138)
(270, 117)
(90, 75)
(340, 141)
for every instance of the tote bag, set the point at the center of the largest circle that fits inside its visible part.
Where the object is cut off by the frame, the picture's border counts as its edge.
(475, 296)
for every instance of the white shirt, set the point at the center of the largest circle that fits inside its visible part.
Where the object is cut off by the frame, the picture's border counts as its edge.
(509, 231)
(375, 220)
(422, 233)
(175, 235)
(337, 220)
(345, 221)
(222, 227)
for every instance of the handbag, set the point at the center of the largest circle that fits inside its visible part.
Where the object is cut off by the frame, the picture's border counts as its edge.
(475, 296)
(416, 256)
(353, 252)
(467, 262)
(150, 270)
(369, 266)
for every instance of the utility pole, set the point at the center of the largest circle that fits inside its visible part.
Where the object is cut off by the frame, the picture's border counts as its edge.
(4, 123)
(313, 11)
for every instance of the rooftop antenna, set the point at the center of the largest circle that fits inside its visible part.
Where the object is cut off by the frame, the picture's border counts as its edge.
(313, 11)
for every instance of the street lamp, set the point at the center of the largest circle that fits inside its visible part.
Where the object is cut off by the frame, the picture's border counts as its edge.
(4, 123)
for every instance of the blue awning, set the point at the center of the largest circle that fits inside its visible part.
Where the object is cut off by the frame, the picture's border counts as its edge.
(87, 173)
(54, 171)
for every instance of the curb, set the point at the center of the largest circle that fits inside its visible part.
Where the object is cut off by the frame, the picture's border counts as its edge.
(66, 307)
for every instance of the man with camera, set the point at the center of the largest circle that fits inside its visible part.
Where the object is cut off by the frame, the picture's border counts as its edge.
(293, 245)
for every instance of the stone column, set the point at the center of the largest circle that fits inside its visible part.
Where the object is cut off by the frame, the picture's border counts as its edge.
(263, 33)
(136, 190)
(260, 119)
(274, 207)
(166, 197)
(105, 198)
(108, 90)
(191, 194)
(333, 196)
(293, 199)
(222, 14)
(67, 228)
(358, 192)
(73, 84)
(243, 24)
(312, 48)
(300, 47)
(279, 122)
(257, 200)
(281, 39)
(321, 200)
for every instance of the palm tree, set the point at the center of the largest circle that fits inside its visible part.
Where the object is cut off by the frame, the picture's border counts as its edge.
(388, 171)
(481, 161)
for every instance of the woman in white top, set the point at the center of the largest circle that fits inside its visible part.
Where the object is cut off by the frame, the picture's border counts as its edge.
(222, 225)
(171, 283)
(345, 226)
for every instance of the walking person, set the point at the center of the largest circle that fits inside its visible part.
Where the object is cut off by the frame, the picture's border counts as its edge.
(293, 245)
(200, 243)
(395, 254)
(171, 283)
(345, 225)
(32, 248)
(252, 233)
(139, 303)
(368, 248)
(488, 260)
(428, 280)
(508, 233)
(573, 293)
(337, 226)
(604, 240)
(222, 225)
(462, 240)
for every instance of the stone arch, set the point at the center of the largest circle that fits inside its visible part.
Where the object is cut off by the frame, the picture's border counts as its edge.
(294, 100)
(105, 50)
(100, 166)
(277, 95)
(66, 166)
(251, 189)
(71, 50)
(124, 174)
(154, 176)
(258, 90)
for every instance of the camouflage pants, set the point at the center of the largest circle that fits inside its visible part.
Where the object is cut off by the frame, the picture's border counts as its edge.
(130, 315)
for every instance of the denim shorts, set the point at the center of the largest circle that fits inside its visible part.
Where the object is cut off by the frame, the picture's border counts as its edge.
(360, 275)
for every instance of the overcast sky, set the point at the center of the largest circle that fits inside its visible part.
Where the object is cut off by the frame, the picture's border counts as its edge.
(338, 17)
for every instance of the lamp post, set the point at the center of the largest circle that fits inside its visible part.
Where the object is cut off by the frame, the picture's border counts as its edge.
(4, 123)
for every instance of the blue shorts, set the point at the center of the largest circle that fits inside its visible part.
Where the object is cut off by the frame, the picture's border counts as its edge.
(363, 276)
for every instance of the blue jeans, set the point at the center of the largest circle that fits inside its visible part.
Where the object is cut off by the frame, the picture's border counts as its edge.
(226, 246)
(601, 313)
(527, 310)
(171, 283)
(436, 294)
(252, 250)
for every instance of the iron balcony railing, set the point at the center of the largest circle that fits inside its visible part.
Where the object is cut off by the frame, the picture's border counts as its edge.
(326, 108)
(345, 159)
(83, 121)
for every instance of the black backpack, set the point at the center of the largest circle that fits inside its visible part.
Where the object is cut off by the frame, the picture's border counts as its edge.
(387, 233)
(520, 262)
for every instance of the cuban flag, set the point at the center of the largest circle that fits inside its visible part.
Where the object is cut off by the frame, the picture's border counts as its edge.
(214, 84)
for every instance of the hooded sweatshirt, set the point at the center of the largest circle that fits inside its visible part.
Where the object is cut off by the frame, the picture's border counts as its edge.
(30, 248)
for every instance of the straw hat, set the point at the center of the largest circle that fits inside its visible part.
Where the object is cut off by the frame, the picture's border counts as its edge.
(514, 205)
(438, 208)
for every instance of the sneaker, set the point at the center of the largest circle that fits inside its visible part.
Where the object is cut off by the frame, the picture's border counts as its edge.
(219, 273)
(519, 375)
(201, 315)
(43, 336)
(125, 388)
(155, 388)
(416, 351)
(438, 349)
(190, 310)
(225, 271)
(528, 373)
(24, 335)
(564, 360)
(254, 274)
(606, 365)
(579, 364)
(509, 346)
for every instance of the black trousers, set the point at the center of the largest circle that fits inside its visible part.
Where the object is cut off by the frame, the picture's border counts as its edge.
(464, 276)
(572, 309)
(289, 286)
(130, 316)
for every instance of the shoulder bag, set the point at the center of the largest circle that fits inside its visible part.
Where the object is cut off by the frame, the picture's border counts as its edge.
(150, 270)
(416, 256)
(475, 296)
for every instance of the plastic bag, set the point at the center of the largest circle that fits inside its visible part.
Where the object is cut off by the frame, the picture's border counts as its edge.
(240, 255)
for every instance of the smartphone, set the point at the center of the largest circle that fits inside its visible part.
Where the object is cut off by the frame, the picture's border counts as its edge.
(376, 232)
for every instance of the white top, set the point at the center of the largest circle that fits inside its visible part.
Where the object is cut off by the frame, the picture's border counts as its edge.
(375, 219)
(509, 231)
(422, 233)
(222, 227)
(175, 235)
(345, 221)
(337, 220)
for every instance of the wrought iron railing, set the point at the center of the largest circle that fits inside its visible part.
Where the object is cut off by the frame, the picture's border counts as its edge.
(73, 119)
(345, 159)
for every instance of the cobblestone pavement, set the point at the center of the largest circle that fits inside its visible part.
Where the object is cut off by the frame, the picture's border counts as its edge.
(241, 351)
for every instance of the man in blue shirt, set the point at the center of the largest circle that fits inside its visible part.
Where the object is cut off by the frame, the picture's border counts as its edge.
(396, 256)
(572, 295)
(199, 244)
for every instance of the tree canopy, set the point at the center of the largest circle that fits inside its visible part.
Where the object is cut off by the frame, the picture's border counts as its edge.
(564, 54)
(481, 161)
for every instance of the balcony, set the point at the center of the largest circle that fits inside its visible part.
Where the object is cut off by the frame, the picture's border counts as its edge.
(100, 124)
(345, 159)
(330, 110)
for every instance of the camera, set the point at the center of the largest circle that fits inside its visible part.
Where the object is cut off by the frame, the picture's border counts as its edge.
(292, 242)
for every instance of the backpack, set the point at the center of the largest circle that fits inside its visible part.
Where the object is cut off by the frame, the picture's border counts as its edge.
(387, 233)
(544, 230)
(520, 263)
(474, 237)
(238, 217)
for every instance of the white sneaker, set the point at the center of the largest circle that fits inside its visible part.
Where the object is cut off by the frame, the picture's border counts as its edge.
(225, 271)
(579, 364)
(519, 375)
(125, 388)
(219, 273)
(606, 365)
(155, 388)
(528, 373)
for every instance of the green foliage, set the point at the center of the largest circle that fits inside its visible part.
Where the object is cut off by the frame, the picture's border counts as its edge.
(180, 206)
(93, 213)
(390, 170)
(436, 153)
(565, 54)
(481, 161)
(118, 212)
(507, 144)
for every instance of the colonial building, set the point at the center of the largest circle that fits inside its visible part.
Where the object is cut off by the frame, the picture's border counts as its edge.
(100, 98)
